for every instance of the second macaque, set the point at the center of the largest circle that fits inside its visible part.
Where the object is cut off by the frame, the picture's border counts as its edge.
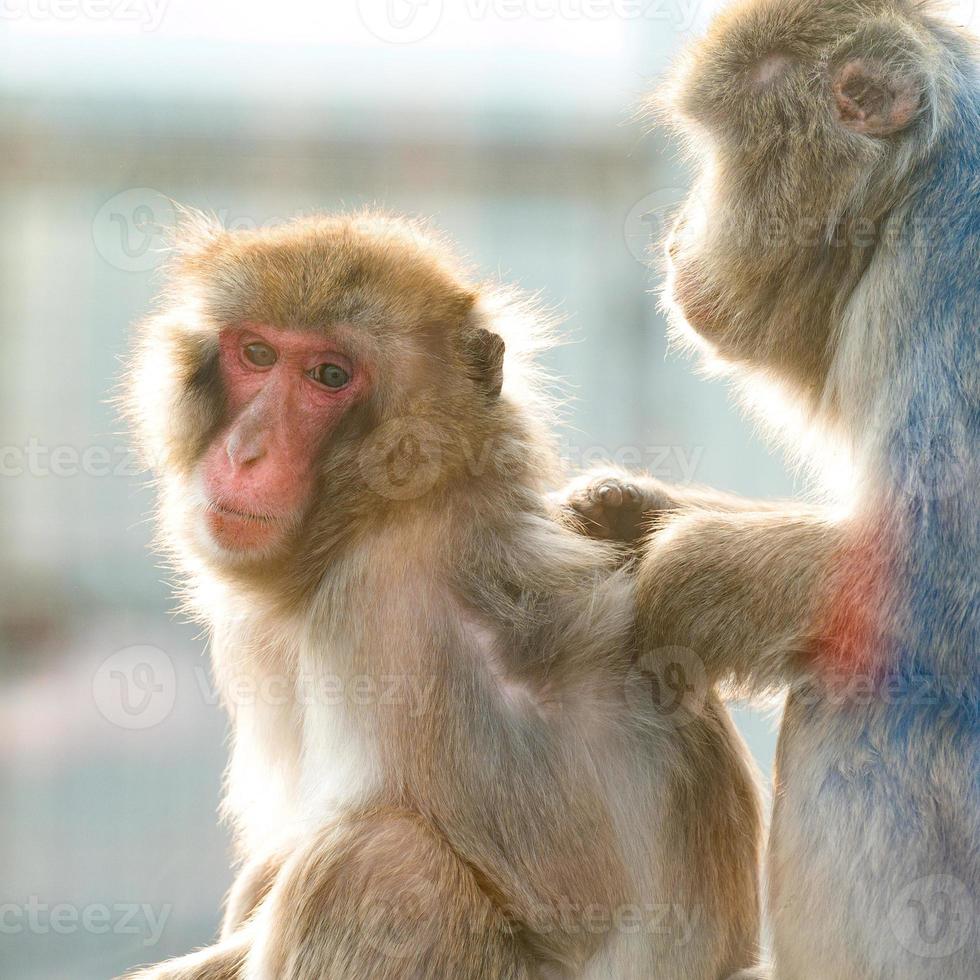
(832, 248)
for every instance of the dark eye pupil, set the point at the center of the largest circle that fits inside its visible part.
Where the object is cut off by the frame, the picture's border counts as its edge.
(330, 375)
(261, 355)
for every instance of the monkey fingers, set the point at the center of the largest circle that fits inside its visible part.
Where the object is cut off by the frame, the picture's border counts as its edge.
(616, 506)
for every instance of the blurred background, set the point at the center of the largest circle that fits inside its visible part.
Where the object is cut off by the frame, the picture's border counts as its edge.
(511, 124)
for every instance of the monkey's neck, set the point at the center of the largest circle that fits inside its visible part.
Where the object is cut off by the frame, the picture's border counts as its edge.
(471, 585)
(384, 683)
(402, 567)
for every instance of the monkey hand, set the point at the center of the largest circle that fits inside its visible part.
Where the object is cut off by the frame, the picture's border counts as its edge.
(615, 506)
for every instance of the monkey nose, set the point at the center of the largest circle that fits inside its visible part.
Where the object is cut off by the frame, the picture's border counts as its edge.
(245, 448)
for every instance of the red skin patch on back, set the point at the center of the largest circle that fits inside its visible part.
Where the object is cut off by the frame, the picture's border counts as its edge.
(853, 635)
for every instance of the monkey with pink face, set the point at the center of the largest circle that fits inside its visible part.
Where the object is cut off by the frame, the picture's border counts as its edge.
(831, 248)
(468, 779)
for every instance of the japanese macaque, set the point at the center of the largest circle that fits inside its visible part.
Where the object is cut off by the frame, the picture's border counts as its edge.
(459, 771)
(832, 248)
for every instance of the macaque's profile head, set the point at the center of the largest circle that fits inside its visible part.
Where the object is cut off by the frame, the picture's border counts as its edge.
(292, 369)
(798, 89)
(808, 119)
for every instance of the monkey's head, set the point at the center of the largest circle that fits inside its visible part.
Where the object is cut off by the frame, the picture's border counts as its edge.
(796, 88)
(301, 377)
(807, 117)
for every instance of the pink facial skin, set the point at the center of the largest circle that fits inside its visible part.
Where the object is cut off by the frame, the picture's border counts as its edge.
(283, 402)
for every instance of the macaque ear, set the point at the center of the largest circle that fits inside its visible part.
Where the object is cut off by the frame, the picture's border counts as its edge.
(875, 99)
(484, 353)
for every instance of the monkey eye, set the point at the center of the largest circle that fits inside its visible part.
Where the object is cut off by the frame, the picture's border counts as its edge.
(330, 375)
(261, 355)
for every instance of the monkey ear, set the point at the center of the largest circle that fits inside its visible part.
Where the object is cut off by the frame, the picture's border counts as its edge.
(484, 353)
(875, 99)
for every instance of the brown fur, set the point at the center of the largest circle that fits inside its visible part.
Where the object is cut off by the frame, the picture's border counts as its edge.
(499, 821)
(830, 249)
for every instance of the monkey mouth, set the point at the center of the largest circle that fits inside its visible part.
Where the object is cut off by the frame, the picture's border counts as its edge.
(240, 531)
(223, 510)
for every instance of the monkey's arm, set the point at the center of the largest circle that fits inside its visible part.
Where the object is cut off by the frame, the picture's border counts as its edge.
(615, 505)
(745, 593)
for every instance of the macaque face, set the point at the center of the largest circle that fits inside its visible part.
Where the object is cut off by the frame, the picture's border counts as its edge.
(262, 388)
(805, 117)
(285, 394)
